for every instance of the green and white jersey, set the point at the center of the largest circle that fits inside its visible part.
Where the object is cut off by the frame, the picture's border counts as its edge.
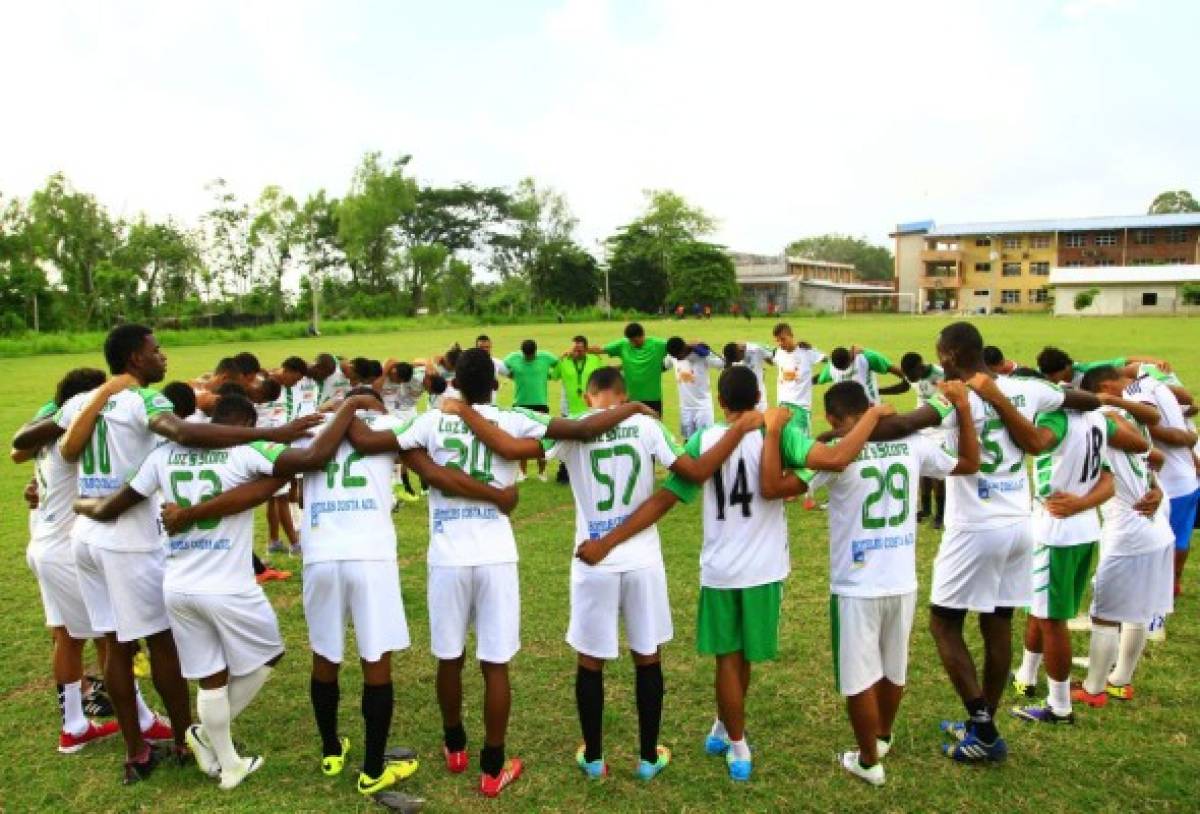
(793, 384)
(334, 386)
(1178, 474)
(469, 532)
(863, 368)
(401, 397)
(211, 556)
(120, 442)
(754, 358)
(271, 413)
(691, 376)
(927, 384)
(348, 504)
(307, 392)
(745, 535)
(998, 495)
(57, 488)
(611, 475)
(1072, 466)
(873, 515)
(1126, 532)
(1080, 368)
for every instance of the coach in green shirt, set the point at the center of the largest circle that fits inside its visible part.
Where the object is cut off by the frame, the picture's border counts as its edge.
(574, 370)
(641, 363)
(531, 371)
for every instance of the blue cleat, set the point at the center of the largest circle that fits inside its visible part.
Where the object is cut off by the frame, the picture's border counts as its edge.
(716, 746)
(1042, 714)
(648, 771)
(953, 729)
(970, 749)
(739, 770)
(595, 769)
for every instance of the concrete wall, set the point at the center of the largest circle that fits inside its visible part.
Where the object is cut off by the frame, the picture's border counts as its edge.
(1116, 300)
(908, 262)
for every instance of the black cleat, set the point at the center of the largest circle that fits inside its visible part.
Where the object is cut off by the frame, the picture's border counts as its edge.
(137, 771)
(399, 801)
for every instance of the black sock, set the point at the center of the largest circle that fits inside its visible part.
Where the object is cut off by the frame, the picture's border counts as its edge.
(885, 738)
(377, 720)
(589, 700)
(455, 737)
(404, 480)
(980, 720)
(649, 692)
(325, 696)
(491, 760)
(258, 565)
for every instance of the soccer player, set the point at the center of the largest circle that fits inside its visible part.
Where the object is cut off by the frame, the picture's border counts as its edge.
(691, 363)
(575, 370)
(860, 365)
(641, 364)
(872, 559)
(1057, 366)
(793, 388)
(753, 356)
(328, 378)
(401, 387)
(484, 343)
(1134, 578)
(120, 564)
(983, 563)
(613, 473)
(996, 362)
(531, 371)
(49, 557)
(926, 377)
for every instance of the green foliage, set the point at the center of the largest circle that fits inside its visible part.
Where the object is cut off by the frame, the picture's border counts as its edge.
(1190, 293)
(873, 262)
(1084, 299)
(1173, 201)
(702, 273)
(565, 274)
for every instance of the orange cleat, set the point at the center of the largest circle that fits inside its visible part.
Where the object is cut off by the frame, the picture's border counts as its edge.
(492, 786)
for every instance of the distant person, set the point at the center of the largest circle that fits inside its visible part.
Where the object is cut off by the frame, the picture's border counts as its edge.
(641, 364)
(860, 365)
(691, 363)
(996, 362)
(531, 371)
(575, 370)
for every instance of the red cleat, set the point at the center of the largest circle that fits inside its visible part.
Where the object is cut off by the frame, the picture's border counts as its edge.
(1096, 700)
(456, 762)
(69, 744)
(160, 730)
(492, 786)
(272, 574)
(1120, 692)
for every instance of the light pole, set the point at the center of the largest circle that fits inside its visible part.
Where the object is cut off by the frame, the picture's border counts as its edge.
(601, 248)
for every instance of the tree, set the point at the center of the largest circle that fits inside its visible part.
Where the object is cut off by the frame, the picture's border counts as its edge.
(1084, 299)
(276, 231)
(369, 216)
(161, 260)
(702, 273)
(455, 290)
(539, 218)
(565, 274)
(318, 223)
(873, 262)
(1172, 201)
(24, 291)
(229, 256)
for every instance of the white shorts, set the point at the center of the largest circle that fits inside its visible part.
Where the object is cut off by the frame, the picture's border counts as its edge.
(489, 596)
(1135, 588)
(870, 639)
(215, 632)
(367, 592)
(692, 421)
(600, 599)
(61, 597)
(981, 570)
(122, 590)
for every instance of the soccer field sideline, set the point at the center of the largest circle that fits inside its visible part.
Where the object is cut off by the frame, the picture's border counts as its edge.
(796, 719)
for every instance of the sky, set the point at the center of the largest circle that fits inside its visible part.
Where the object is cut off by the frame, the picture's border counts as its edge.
(780, 119)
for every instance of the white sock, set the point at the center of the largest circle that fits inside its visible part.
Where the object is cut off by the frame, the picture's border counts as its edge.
(1102, 655)
(740, 749)
(1028, 671)
(70, 700)
(718, 730)
(1060, 696)
(1133, 642)
(145, 714)
(242, 689)
(213, 709)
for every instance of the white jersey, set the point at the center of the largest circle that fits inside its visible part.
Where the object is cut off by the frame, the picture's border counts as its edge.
(1126, 532)
(691, 375)
(334, 387)
(927, 385)
(306, 390)
(211, 556)
(271, 413)
(794, 382)
(998, 495)
(755, 357)
(401, 397)
(120, 441)
(58, 486)
(469, 532)
(873, 515)
(348, 504)
(745, 535)
(1072, 466)
(611, 475)
(1178, 474)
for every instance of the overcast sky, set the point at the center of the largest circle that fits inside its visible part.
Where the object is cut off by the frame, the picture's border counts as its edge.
(781, 119)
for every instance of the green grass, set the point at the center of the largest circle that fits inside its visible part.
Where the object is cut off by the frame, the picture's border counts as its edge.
(1134, 757)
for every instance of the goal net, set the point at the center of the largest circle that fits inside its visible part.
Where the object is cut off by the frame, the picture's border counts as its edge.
(883, 302)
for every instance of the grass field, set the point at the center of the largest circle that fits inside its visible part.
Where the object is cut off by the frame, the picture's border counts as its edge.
(1140, 756)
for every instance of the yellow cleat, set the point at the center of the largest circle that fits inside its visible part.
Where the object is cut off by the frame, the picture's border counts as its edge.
(332, 765)
(392, 774)
(141, 664)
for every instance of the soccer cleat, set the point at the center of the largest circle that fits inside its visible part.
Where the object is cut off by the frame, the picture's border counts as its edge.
(648, 771)
(96, 703)
(276, 547)
(594, 769)
(206, 758)
(542, 477)
(739, 770)
(810, 505)
(1023, 689)
(69, 744)
(272, 574)
(399, 801)
(882, 748)
(295, 550)
(159, 730)
(968, 748)
(1119, 692)
(874, 775)
(332, 765)
(1096, 700)
(1042, 714)
(138, 770)
(456, 762)
(141, 664)
(492, 786)
(392, 774)
(231, 778)
(716, 746)
(938, 524)
(954, 729)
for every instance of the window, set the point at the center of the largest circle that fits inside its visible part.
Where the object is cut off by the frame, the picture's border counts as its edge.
(1176, 236)
(1012, 242)
(983, 268)
(1149, 298)
(1039, 295)
(1074, 264)
(982, 292)
(1010, 296)
(1177, 261)
(1143, 237)
(983, 241)
(1106, 238)
(1012, 270)
(1039, 269)
(1039, 242)
(1075, 241)
(1105, 261)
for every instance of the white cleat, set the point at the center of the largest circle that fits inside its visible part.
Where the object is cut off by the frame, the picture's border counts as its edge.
(873, 775)
(882, 748)
(206, 758)
(232, 778)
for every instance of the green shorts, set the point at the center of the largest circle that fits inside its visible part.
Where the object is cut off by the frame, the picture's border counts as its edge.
(1060, 578)
(801, 417)
(740, 619)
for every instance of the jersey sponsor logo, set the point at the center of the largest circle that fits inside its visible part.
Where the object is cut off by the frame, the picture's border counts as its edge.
(197, 457)
(201, 544)
(598, 528)
(320, 507)
(859, 548)
(449, 515)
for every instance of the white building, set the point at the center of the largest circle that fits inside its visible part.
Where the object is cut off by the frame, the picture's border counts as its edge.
(1120, 290)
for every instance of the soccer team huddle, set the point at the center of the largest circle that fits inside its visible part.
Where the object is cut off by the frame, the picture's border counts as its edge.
(143, 532)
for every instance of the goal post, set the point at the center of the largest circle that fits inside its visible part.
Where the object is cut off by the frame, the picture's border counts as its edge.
(898, 302)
